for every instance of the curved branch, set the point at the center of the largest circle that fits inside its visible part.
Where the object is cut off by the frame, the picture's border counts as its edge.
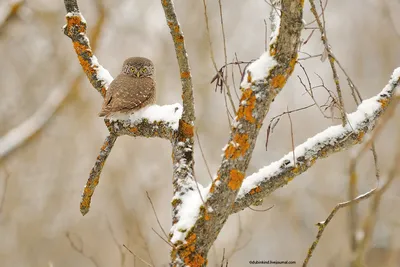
(75, 29)
(334, 139)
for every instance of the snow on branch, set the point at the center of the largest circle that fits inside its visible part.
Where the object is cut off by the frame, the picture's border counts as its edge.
(153, 121)
(333, 139)
(75, 29)
(262, 81)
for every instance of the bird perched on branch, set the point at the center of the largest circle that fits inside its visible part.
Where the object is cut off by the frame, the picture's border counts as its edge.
(134, 88)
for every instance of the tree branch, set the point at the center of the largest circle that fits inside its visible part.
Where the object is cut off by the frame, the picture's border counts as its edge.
(154, 121)
(75, 29)
(184, 183)
(188, 114)
(334, 139)
(263, 81)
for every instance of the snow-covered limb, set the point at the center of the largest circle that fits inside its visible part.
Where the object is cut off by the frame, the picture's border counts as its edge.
(75, 29)
(183, 143)
(153, 121)
(263, 80)
(333, 139)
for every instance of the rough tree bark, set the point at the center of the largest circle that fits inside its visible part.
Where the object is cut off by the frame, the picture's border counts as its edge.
(230, 191)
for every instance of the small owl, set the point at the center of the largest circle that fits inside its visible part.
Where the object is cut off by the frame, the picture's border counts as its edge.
(133, 89)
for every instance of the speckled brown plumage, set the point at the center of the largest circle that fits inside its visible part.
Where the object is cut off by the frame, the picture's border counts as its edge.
(133, 89)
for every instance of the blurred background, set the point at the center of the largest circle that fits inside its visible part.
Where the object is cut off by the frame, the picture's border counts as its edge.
(43, 87)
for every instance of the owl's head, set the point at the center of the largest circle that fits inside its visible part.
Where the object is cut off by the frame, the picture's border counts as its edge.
(138, 67)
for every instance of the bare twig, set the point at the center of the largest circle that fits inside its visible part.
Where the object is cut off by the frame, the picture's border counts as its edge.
(136, 256)
(291, 136)
(5, 185)
(155, 214)
(274, 121)
(322, 225)
(324, 39)
(121, 252)
(370, 221)
(221, 78)
(162, 238)
(203, 156)
(79, 249)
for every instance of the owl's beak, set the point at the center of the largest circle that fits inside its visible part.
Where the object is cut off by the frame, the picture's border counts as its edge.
(138, 74)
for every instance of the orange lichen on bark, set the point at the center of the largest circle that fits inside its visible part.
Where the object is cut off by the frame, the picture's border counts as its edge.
(236, 179)
(186, 129)
(384, 102)
(292, 64)
(133, 130)
(272, 51)
(179, 38)
(255, 190)
(246, 110)
(187, 253)
(249, 77)
(278, 81)
(239, 146)
(185, 74)
(76, 20)
(212, 188)
(104, 145)
(176, 28)
(360, 136)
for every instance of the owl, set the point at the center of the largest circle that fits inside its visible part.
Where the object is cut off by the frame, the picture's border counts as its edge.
(134, 88)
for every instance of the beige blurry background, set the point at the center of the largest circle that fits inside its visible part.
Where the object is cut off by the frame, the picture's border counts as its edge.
(40, 222)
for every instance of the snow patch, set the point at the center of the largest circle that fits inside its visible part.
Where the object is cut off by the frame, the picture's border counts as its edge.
(101, 73)
(188, 212)
(167, 113)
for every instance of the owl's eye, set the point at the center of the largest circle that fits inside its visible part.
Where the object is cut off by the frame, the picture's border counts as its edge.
(132, 69)
(143, 70)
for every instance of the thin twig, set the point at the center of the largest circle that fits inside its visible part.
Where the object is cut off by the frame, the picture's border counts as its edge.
(155, 214)
(324, 39)
(322, 225)
(203, 156)
(213, 58)
(80, 249)
(136, 256)
(291, 135)
(228, 90)
(274, 121)
(166, 241)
